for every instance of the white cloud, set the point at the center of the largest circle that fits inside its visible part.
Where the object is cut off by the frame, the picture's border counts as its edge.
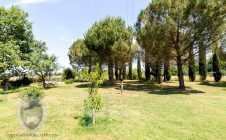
(65, 39)
(30, 1)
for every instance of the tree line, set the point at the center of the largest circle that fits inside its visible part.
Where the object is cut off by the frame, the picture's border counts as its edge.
(179, 31)
(107, 42)
(168, 32)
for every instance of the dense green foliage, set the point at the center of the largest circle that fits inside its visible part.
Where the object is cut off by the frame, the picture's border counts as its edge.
(15, 40)
(109, 42)
(68, 74)
(12, 84)
(216, 68)
(32, 95)
(80, 56)
(179, 27)
(191, 67)
(104, 37)
(20, 54)
(41, 63)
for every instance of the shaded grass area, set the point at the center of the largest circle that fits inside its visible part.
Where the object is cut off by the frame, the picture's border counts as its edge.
(150, 87)
(141, 112)
(160, 89)
(214, 84)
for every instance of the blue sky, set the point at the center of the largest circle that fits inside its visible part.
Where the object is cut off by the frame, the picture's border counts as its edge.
(60, 22)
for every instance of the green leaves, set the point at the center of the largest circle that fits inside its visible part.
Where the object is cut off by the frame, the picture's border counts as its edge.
(80, 56)
(94, 102)
(32, 93)
(15, 38)
(9, 55)
(102, 36)
(39, 62)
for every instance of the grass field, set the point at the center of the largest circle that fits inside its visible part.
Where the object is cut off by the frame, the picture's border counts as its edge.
(144, 111)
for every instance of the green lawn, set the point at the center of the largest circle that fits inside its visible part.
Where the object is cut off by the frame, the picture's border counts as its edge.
(144, 111)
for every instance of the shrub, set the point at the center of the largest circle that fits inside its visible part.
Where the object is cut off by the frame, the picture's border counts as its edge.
(167, 75)
(68, 81)
(32, 95)
(25, 81)
(173, 71)
(8, 85)
(134, 75)
(68, 74)
(1, 91)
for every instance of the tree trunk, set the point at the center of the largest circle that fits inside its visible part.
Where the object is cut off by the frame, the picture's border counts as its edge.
(120, 74)
(139, 66)
(100, 67)
(202, 61)
(131, 70)
(147, 71)
(124, 72)
(90, 68)
(121, 86)
(116, 72)
(180, 73)
(43, 82)
(110, 73)
(166, 74)
(147, 67)
(158, 72)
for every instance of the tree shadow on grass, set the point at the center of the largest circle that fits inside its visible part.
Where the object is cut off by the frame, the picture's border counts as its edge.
(160, 89)
(86, 85)
(216, 84)
(116, 84)
(149, 87)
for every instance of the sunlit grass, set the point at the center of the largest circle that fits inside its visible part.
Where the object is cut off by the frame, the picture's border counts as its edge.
(144, 111)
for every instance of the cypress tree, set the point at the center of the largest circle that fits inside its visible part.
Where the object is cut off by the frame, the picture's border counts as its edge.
(216, 68)
(191, 66)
